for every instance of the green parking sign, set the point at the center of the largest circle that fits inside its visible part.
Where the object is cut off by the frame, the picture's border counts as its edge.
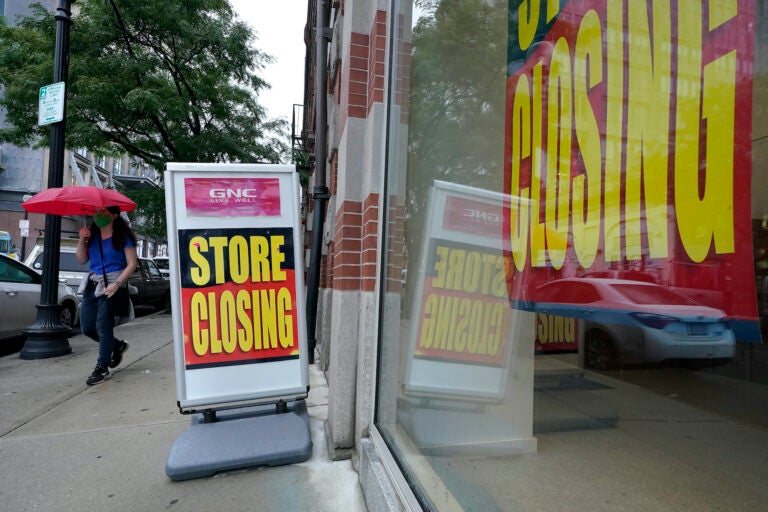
(51, 104)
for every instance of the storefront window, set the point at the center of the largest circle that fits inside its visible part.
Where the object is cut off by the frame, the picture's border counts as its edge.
(575, 306)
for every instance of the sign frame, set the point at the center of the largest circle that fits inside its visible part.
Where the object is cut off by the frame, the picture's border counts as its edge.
(246, 380)
(458, 380)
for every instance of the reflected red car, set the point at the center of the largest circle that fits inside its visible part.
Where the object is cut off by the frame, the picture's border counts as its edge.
(631, 322)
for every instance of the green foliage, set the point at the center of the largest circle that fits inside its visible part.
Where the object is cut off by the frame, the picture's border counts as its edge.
(303, 165)
(163, 81)
(457, 102)
(149, 216)
(457, 93)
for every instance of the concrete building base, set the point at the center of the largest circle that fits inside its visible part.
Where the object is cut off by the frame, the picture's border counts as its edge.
(380, 494)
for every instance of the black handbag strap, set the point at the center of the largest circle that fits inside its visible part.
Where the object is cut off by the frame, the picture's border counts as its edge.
(103, 272)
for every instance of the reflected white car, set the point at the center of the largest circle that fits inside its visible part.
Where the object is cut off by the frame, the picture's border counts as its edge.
(20, 294)
(634, 322)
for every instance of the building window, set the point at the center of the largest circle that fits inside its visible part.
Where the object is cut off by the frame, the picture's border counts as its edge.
(576, 255)
(117, 166)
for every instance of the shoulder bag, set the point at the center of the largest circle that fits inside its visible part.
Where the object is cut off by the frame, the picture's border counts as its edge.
(120, 301)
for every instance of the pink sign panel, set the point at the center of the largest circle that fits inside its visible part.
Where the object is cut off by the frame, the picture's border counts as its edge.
(232, 197)
(475, 217)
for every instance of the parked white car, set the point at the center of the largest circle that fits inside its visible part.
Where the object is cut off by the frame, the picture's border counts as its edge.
(20, 294)
(70, 271)
(164, 264)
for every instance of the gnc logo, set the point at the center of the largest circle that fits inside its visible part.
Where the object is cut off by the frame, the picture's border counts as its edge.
(221, 193)
(473, 213)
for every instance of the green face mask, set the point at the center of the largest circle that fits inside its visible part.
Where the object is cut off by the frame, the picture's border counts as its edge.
(102, 220)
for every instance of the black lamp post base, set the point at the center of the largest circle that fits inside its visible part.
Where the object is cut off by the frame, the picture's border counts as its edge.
(46, 337)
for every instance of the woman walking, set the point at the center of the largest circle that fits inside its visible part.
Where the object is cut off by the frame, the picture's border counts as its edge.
(110, 247)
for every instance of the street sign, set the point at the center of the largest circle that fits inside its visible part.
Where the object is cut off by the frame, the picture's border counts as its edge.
(51, 104)
(24, 227)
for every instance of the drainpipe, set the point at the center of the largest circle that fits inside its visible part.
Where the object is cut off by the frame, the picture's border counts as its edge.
(320, 192)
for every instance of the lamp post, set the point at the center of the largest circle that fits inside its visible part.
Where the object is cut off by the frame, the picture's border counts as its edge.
(47, 337)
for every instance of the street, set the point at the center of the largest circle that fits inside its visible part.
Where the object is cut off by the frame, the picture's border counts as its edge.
(14, 345)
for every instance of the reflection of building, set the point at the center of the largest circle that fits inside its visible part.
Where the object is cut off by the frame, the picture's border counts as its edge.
(25, 172)
(403, 81)
(121, 173)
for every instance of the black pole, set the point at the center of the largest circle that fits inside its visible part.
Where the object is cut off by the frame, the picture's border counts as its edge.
(47, 337)
(322, 34)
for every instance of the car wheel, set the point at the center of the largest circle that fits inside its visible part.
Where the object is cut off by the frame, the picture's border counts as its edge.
(67, 315)
(599, 351)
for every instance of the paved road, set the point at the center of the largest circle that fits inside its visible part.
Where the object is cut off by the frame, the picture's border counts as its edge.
(12, 346)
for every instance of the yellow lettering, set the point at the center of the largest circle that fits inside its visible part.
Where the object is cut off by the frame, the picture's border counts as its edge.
(259, 259)
(472, 272)
(520, 150)
(214, 324)
(460, 333)
(709, 216)
(238, 260)
(268, 318)
(244, 334)
(198, 315)
(613, 130)
(693, 206)
(455, 269)
(286, 329)
(528, 21)
(586, 221)
(721, 11)
(278, 274)
(257, 332)
(538, 250)
(428, 321)
(228, 324)
(558, 153)
(218, 243)
(498, 322)
(647, 129)
(445, 311)
(440, 267)
(201, 274)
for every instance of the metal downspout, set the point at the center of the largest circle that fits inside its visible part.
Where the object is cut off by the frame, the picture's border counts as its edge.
(320, 192)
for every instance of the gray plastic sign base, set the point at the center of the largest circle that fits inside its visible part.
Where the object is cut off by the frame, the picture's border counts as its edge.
(237, 440)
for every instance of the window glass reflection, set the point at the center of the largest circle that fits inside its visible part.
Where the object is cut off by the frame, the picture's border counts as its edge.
(576, 299)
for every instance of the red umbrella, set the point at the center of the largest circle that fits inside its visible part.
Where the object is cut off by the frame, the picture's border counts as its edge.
(72, 200)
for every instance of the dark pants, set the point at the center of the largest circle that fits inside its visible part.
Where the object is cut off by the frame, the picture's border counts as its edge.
(97, 322)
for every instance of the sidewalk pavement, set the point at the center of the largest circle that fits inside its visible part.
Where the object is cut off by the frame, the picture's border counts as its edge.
(65, 446)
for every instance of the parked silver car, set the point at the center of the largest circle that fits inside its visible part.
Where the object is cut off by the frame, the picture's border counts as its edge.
(631, 322)
(20, 294)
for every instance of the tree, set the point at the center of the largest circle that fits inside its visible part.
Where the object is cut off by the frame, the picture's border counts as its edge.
(457, 102)
(163, 81)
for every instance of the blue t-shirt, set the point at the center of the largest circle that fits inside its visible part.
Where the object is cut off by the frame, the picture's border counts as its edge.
(113, 260)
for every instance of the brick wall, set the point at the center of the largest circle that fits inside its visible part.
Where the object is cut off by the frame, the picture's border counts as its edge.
(352, 258)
